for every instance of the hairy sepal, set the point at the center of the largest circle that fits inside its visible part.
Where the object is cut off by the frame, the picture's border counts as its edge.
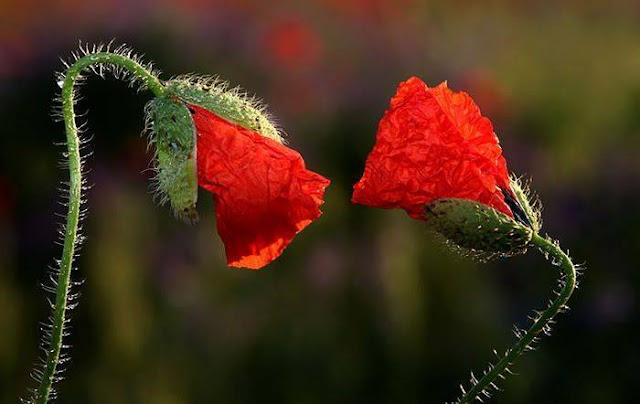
(477, 227)
(230, 104)
(174, 136)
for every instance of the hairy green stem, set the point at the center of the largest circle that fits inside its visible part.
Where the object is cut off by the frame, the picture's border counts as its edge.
(54, 344)
(541, 322)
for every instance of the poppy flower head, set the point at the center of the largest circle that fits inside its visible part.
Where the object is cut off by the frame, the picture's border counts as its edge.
(209, 136)
(439, 159)
(433, 143)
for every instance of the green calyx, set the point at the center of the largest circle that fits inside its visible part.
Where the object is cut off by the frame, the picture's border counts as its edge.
(478, 227)
(174, 135)
(229, 104)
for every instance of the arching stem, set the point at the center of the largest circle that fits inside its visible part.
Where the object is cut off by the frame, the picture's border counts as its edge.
(47, 376)
(541, 322)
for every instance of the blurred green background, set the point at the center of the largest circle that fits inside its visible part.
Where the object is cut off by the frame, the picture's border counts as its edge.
(365, 305)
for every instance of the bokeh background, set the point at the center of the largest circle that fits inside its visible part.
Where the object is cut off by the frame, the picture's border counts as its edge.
(365, 305)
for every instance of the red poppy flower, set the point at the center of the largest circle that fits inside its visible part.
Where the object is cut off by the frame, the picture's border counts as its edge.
(433, 143)
(293, 43)
(264, 194)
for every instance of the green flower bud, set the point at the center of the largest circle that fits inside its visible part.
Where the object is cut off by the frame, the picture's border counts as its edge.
(478, 227)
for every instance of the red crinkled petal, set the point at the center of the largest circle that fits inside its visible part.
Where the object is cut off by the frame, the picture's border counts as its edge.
(263, 193)
(433, 143)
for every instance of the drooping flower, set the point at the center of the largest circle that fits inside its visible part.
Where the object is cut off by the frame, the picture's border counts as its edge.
(432, 146)
(215, 138)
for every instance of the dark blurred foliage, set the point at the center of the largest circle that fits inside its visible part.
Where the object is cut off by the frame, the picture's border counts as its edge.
(364, 306)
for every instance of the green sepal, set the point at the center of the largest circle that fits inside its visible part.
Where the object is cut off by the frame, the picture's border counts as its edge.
(477, 227)
(174, 135)
(229, 104)
(528, 202)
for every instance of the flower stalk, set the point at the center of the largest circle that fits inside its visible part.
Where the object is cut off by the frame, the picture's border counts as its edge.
(121, 61)
(541, 323)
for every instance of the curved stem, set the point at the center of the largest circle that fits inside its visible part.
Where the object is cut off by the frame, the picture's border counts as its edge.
(540, 323)
(54, 344)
